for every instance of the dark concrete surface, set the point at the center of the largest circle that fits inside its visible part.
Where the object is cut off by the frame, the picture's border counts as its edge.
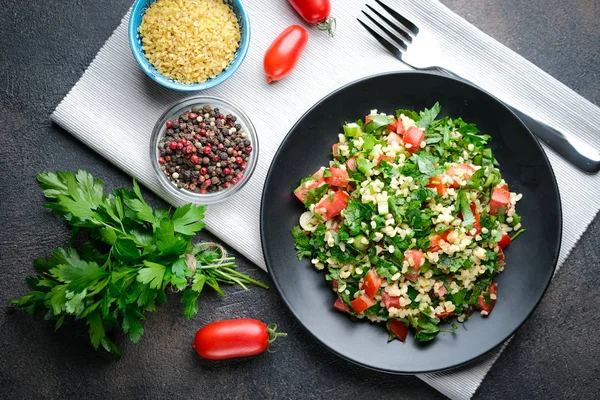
(45, 47)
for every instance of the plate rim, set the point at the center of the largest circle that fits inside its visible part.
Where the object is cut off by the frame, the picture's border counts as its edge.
(287, 302)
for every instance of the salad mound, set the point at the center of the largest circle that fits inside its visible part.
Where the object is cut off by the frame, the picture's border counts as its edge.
(409, 221)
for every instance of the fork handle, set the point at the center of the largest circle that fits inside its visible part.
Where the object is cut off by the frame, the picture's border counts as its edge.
(571, 148)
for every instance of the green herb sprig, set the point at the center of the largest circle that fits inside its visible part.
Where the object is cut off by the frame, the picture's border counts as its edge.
(121, 258)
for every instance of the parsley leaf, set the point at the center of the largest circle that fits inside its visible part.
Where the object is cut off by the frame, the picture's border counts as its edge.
(122, 256)
(186, 219)
(409, 113)
(301, 242)
(313, 196)
(355, 213)
(465, 208)
(429, 115)
(377, 121)
(425, 162)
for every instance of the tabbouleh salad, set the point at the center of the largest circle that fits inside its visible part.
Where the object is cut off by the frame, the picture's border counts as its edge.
(409, 221)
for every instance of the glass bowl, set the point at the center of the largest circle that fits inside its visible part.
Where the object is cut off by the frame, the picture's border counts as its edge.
(174, 112)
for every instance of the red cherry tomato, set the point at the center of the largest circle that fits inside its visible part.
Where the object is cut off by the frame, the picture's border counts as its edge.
(234, 338)
(313, 11)
(283, 54)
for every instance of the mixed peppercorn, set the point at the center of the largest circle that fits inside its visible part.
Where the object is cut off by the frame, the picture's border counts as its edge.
(204, 151)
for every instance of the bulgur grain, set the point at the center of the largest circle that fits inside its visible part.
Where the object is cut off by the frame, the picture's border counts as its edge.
(189, 41)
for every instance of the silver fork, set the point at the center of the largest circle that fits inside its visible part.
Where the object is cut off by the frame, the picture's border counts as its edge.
(404, 37)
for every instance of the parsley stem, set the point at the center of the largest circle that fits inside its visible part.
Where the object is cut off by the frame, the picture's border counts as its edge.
(230, 279)
(216, 266)
(517, 234)
(247, 278)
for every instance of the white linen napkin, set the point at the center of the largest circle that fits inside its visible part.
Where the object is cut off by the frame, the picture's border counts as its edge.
(115, 103)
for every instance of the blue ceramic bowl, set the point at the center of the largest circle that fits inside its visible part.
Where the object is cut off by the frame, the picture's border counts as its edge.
(135, 19)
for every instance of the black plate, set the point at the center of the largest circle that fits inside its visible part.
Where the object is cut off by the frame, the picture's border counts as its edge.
(531, 259)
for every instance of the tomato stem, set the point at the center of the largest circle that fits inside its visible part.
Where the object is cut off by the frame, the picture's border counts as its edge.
(328, 25)
(273, 334)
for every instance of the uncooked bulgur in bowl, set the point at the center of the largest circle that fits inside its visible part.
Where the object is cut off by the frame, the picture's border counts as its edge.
(189, 45)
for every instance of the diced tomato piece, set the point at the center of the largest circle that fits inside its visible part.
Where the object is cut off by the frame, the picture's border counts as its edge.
(382, 157)
(302, 191)
(504, 241)
(400, 127)
(505, 186)
(414, 137)
(372, 283)
(367, 119)
(394, 138)
(335, 149)
(462, 171)
(341, 306)
(436, 183)
(445, 314)
(361, 303)
(390, 301)
(483, 305)
(351, 164)
(476, 224)
(398, 328)
(332, 205)
(334, 285)
(500, 199)
(413, 257)
(339, 177)
(435, 240)
(441, 291)
(500, 256)
(393, 126)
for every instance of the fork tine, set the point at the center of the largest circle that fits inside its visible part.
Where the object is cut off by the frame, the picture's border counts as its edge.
(389, 46)
(387, 31)
(400, 31)
(409, 25)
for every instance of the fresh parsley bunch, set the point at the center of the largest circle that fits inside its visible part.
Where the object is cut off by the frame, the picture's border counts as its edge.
(121, 258)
